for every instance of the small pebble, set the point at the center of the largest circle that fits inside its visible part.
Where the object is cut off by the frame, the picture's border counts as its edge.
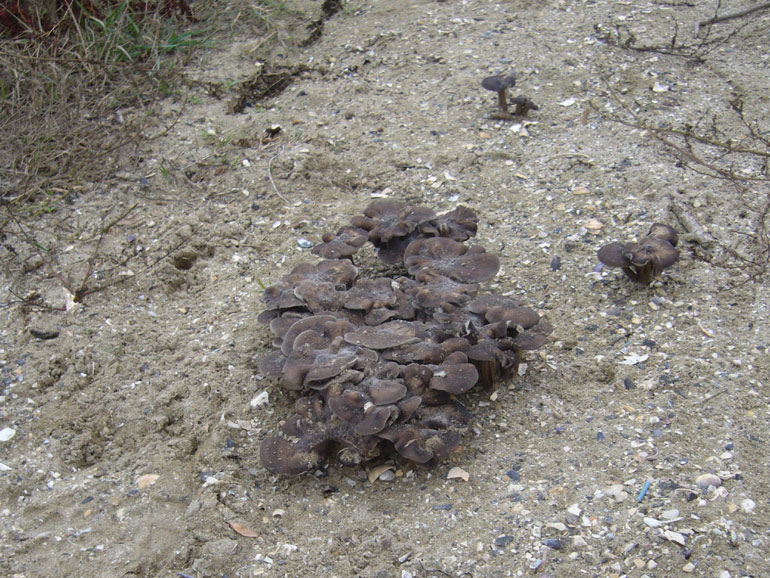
(514, 475)
(6, 434)
(670, 514)
(304, 243)
(705, 480)
(674, 537)
(748, 505)
(689, 567)
(553, 543)
(502, 541)
(575, 510)
(652, 522)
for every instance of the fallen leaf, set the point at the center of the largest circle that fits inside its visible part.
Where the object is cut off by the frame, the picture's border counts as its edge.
(147, 480)
(243, 530)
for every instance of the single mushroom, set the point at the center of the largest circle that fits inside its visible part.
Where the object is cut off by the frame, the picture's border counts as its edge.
(500, 85)
(643, 260)
(523, 105)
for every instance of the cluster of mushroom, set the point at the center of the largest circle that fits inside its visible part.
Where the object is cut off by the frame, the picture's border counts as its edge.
(643, 260)
(500, 84)
(381, 360)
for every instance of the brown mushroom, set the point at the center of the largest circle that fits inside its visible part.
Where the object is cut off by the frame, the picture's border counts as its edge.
(451, 259)
(434, 290)
(386, 356)
(460, 224)
(665, 232)
(386, 336)
(342, 244)
(642, 261)
(500, 85)
(308, 437)
(455, 375)
(388, 221)
(523, 105)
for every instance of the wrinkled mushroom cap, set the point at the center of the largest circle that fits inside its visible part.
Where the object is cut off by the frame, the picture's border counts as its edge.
(497, 83)
(343, 244)
(386, 336)
(451, 259)
(651, 250)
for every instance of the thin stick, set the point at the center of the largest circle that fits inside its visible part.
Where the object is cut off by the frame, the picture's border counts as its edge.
(270, 174)
(734, 15)
(694, 228)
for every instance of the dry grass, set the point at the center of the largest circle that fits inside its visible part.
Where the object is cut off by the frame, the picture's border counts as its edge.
(73, 95)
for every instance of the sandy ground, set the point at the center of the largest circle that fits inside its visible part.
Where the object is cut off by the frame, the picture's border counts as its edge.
(130, 445)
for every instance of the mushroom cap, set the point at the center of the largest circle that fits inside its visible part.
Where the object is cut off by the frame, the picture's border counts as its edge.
(366, 417)
(459, 224)
(314, 323)
(319, 296)
(651, 250)
(499, 82)
(387, 220)
(422, 351)
(665, 232)
(435, 290)
(371, 294)
(328, 365)
(528, 341)
(521, 316)
(272, 364)
(386, 336)
(455, 378)
(451, 259)
(612, 255)
(280, 297)
(343, 243)
(386, 391)
(523, 104)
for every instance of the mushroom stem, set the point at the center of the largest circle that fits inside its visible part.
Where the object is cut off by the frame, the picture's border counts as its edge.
(502, 100)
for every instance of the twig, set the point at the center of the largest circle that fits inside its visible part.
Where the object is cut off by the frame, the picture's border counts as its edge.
(66, 284)
(83, 290)
(270, 174)
(734, 15)
(690, 223)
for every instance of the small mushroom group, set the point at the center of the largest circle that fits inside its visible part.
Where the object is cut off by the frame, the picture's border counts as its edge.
(643, 260)
(500, 84)
(380, 361)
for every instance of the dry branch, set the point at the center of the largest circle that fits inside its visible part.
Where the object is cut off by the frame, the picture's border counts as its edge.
(734, 15)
